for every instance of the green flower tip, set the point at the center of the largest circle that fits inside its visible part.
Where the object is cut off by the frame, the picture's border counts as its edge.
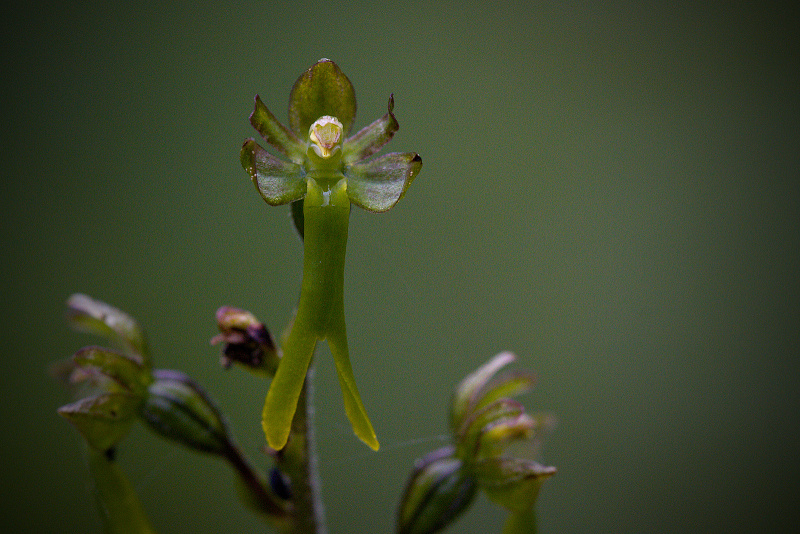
(92, 316)
(322, 110)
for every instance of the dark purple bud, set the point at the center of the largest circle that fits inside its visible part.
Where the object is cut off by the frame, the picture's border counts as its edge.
(246, 341)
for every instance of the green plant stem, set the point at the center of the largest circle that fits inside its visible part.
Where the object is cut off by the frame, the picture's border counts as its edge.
(521, 522)
(257, 494)
(119, 506)
(298, 461)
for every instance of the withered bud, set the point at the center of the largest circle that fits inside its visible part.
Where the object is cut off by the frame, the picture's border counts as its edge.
(246, 341)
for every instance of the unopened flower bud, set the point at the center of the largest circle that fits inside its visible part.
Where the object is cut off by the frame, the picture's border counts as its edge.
(178, 409)
(246, 341)
(437, 492)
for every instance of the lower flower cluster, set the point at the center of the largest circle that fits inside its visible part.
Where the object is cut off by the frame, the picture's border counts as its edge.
(117, 387)
(484, 421)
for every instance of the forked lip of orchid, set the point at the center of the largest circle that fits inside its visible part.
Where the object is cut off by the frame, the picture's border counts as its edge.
(326, 135)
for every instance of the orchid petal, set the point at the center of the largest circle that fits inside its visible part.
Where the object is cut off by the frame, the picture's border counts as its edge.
(379, 184)
(467, 394)
(513, 483)
(95, 317)
(371, 138)
(275, 133)
(278, 182)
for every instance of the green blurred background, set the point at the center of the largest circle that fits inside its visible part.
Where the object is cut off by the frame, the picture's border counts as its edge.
(611, 191)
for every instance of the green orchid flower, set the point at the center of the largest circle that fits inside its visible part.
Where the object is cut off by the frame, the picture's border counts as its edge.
(326, 172)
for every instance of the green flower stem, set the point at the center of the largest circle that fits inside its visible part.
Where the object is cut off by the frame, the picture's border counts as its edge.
(320, 313)
(521, 522)
(255, 492)
(119, 506)
(298, 461)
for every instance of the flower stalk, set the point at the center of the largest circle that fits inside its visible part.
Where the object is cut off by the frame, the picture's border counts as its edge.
(120, 508)
(297, 461)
